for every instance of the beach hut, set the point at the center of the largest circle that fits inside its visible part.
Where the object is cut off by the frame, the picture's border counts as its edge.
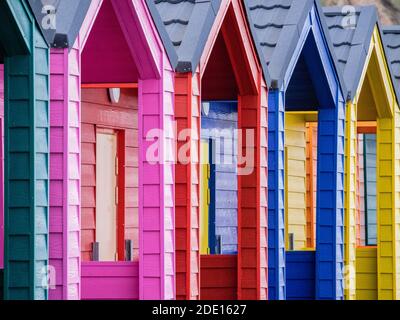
(294, 48)
(221, 206)
(372, 272)
(112, 177)
(25, 94)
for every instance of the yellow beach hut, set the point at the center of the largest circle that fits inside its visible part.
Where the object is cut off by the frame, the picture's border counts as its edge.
(371, 272)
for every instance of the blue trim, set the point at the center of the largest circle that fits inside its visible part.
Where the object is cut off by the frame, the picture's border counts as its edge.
(276, 192)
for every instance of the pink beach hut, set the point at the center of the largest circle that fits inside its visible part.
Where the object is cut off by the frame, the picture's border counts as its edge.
(112, 205)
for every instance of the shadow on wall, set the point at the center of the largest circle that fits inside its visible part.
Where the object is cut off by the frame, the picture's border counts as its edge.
(389, 10)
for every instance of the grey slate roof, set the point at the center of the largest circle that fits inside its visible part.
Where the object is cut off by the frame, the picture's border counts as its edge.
(184, 27)
(351, 43)
(391, 43)
(276, 26)
(69, 16)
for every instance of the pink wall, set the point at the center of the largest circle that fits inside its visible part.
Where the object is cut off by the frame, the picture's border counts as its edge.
(1, 166)
(156, 181)
(110, 281)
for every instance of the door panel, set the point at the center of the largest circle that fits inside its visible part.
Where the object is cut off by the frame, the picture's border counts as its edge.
(106, 199)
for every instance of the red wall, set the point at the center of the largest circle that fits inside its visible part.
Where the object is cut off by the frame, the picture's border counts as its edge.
(97, 110)
(218, 277)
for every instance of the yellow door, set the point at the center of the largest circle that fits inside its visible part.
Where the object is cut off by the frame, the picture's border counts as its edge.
(204, 196)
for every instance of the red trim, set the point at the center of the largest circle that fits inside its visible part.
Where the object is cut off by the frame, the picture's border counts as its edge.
(121, 194)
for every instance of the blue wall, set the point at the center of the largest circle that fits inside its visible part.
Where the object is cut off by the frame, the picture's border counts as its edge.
(300, 275)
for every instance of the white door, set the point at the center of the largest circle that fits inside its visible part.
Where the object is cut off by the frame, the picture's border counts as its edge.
(106, 202)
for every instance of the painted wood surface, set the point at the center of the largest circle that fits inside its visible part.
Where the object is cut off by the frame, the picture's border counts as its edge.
(329, 260)
(350, 201)
(248, 78)
(218, 277)
(110, 281)
(295, 175)
(65, 171)
(376, 86)
(156, 181)
(366, 274)
(276, 196)
(300, 275)
(311, 182)
(27, 149)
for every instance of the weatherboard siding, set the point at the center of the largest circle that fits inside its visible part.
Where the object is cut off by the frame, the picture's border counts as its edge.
(366, 274)
(276, 205)
(295, 145)
(350, 200)
(26, 166)
(311, 196)
(65, 170)
(98, 112)
(264, 193)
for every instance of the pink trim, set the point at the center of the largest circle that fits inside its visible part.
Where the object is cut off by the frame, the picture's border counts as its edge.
(1, 166)
(65, 172)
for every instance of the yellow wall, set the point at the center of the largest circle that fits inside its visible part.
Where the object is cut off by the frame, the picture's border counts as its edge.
(295, 190)
(367, 280)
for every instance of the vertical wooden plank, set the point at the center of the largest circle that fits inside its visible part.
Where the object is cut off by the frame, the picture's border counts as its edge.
(312, 145)
(249, 202)
(264, 193)
(276, 209)
(330, 202)
(386, 205)
(350, 200)
(169, 181)
(65, 172)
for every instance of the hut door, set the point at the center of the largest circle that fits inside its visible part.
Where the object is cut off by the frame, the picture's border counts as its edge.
(106, 195)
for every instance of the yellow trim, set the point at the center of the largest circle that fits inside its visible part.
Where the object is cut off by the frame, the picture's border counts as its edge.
(204, 197)
(350, 234)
